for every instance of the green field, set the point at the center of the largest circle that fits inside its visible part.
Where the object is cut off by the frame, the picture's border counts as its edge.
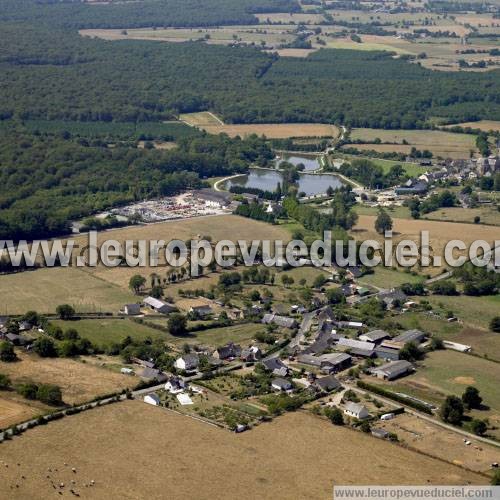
(388, 278)
(398, 212)
(216, 337)
(411, 169)
(483, 342)
(449, 372)
(474, 311)
(106, 331)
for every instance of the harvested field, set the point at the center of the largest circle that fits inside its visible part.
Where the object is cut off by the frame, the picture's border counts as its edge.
(14, 410)
(290, 18)
(440, 233)
(434, 440)
(273, 36)
(79, 381)
(487, 215)
(218, 227)
(441, 143)
(132, 442)
(276, 130)
(44, 289)
(485, 125)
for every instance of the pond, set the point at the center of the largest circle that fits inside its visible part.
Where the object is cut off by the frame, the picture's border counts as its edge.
(267, 180)
(310, 162)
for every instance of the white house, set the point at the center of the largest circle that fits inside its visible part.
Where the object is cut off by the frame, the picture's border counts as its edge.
(356, 410)
(175, 385)
(187, 362)
(152, 399)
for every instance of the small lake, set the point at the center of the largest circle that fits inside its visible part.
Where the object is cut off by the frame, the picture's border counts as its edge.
(310, 162)
(267, 180)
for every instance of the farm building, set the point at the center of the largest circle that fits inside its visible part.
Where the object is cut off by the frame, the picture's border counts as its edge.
(201, 311)
(416, 336)
(387, 353)
(152, 374)
(152, 399)
(355, 344)
(392, 370)
(159, 306)
(356, 410)
(327, 362)
(455, 346)
(132, 309)
(213, 199)
(374, 336)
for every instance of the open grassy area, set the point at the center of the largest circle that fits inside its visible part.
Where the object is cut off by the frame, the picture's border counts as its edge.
(483, 342)
(445, 144)
(79, 381)
(44, 289)
(388, 278)
(474, 311)
(398, 212)
(106, 331)
(411, 169)
(450, 372)
(15, 409)
(200, 119)
(216, 337)
(111, 441)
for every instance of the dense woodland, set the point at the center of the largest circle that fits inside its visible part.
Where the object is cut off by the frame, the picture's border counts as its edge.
(47, 180)
(54, 74)
(76, 15)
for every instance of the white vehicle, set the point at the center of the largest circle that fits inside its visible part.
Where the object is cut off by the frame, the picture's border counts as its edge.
(387, 416)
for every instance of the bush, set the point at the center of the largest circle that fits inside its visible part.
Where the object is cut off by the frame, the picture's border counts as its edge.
(495, 324)
(49, 394)
(7, 352)
(4, 381)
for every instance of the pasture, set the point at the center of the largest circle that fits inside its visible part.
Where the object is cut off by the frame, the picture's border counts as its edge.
(216, 337)
(106, 331)
(110, 441)
(384, 277)
(483, 342)
(79, 381)
(445, 144)
(450, 372)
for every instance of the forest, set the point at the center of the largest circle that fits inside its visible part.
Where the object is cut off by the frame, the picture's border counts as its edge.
(146, 13)
(58, 75)
(46, 180)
